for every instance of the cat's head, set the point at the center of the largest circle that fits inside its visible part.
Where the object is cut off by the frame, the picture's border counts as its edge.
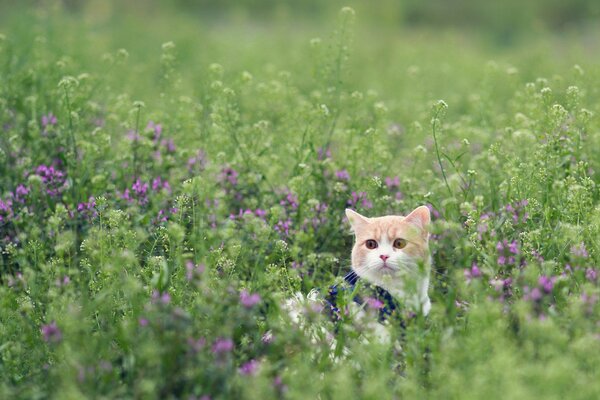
(392, 249)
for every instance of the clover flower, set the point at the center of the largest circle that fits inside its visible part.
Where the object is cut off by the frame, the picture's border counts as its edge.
(51, 333)
(222, 346)
(249, 300)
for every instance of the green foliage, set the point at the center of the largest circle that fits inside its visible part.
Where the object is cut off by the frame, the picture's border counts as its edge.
(160, 199)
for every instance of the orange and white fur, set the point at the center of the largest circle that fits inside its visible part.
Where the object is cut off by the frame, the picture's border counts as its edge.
(393, 252)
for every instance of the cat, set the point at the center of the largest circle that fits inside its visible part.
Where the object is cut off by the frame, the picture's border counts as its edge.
(390, 253)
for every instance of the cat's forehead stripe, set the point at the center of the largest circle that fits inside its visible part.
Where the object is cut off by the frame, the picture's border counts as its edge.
(392, 226)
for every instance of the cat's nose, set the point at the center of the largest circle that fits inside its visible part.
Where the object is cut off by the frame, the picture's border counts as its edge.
(384, 257)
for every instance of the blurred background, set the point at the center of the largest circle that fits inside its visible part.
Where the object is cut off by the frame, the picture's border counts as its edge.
(502, 21)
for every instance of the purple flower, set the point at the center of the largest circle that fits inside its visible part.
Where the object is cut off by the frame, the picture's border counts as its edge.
(513, 247)
(546, 283)
(49, 119)
(283, 227)
(249, 368)
(6, 210)
(290, 201)
(579, 251)
(473, 272)
(591, 274)
(536, 294)
(88, 209)
(193, 270)
(361, 199)
(222, 345)
(133, 135)
(249, 300)
(323, 153)
(156, 128)
(169, 145)
(392, 183)
(163, 298)
(139, 192)
(260, 213)
(52, 178)
(374, 303)
(229, 175)
(143, 322)
(267, 338)
(434, 212)
(51, 333)
(159, 184)
(342, 175)
(197, 162)
(20, 193)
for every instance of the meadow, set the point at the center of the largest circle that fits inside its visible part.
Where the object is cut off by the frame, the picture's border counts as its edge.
(167, 181)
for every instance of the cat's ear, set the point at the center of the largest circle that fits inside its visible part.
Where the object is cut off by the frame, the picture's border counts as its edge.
(420, 217)
(356, 220)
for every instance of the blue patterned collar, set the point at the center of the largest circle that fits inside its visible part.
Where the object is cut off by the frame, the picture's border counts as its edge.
(350, 280)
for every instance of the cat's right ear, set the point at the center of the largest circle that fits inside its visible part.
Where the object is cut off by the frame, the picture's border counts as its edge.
(356, 220)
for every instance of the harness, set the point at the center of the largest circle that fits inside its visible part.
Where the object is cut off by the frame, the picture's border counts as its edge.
(389, 304)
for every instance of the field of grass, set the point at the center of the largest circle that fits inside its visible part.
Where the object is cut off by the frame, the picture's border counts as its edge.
(168, 180)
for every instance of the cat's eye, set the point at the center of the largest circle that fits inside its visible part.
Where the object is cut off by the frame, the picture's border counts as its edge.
(371, 244)
(399, 243)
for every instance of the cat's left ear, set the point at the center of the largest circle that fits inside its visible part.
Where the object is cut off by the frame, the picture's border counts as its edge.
(356, 220)
(420, 217)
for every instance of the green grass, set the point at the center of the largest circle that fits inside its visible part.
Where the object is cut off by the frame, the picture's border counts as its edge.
(129, 294)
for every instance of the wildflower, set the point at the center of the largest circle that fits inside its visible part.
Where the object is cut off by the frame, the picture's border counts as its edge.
(169, 145)
(546, 283)
(268, 337)
(290, 201)
(392, 183)
(472, 273)
(591, 274)
(133, 135)
(87, 209)
(158, 297)
(434, 212)
(283, 227)
(249, 368)
(229, 175)
(197, 162)
(361, 199)
(579, 251)
(342, 175)
(20, 193)
(323, 153)
(156, 129)
(143, 322)
(249, 300)
(222, 345)
(51, 333)
(260, 213)
(62, 282)
(536, 294)
(6, 210)
(52, 178)
(159, 184)
(48, 119)
(139, 192)
(193, 270)
(374, 303)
